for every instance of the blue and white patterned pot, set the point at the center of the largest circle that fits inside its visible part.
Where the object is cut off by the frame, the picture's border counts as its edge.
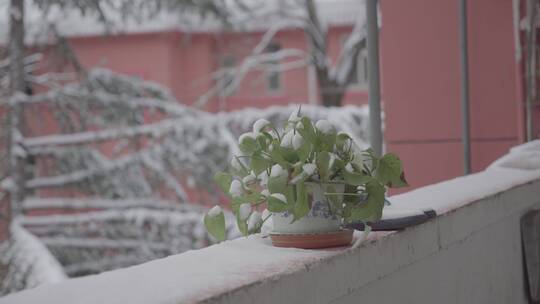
(319, 219)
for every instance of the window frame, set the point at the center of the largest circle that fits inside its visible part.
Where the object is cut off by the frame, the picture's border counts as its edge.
(273, 46)
(361, 67)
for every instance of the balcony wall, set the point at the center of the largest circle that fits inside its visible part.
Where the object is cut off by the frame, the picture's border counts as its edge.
(470, 253)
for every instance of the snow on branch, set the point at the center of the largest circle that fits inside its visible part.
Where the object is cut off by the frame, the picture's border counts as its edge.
(102, 243)
(110, 215)
(80, 175)
(36, 203)
(157, 167)
(348, 56)
(249, 63)
(155, 130)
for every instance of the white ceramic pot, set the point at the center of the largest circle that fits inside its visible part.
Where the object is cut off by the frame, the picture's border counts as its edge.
(319, 219)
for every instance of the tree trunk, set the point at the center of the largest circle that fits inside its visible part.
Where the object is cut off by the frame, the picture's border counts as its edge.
(331, 92)
(16, 154)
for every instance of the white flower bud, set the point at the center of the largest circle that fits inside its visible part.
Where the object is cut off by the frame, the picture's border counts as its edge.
(245, 136)
(286, 141)
(215, 211)
(294, 117)
(248, 179)
(236, 189)
(277, 171)
(297, 141)
(309, 169)
(254, 220)
(259, 125)
(263, 178)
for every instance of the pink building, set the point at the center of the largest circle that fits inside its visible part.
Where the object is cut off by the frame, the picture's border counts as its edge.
(419, 66)
(421, 84)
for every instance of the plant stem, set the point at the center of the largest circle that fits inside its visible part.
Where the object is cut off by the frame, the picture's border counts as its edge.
(347, 194)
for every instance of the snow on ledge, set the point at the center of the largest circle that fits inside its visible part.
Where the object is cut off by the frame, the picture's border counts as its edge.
(519, 166)
(217, 270)
(184, 278)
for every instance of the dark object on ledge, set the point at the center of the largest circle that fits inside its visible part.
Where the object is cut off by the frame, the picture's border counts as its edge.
(396, 223)
(530, 237)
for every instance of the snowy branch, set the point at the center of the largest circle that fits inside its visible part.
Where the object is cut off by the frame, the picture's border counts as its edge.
(80, 175)
(157, 167)
(249, 63)
(155, 130)
(348, 56)
(36, 203)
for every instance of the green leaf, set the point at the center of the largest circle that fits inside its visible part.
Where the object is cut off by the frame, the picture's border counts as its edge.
(276, 205)
(301, 206)
(288, 154)
(342, 141)
(355, 178)
(248, 145)
(371, 209)
(401, 182)
(290, 194)
(277, 184)
(262, 139)
(304, 151)
(242, 225)
(327, 141)
(259, 163)
(308, 132)
(215, 226)
(224, 181)
(253, 197)
(276, 155)
(390, 171)
(323, 164)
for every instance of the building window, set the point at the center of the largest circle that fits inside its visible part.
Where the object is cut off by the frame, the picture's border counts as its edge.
(225, 80)
(273, 75)
(359, 77)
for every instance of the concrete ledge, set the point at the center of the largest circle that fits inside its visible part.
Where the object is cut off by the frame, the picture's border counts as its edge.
(470, 253)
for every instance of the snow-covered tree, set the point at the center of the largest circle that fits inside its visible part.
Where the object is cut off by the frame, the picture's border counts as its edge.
(122, 153)
(333, 78)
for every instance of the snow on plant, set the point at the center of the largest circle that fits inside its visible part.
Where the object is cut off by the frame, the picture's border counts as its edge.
(276, 168)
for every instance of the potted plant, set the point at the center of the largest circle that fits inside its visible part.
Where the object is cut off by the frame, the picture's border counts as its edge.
(312, 180)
